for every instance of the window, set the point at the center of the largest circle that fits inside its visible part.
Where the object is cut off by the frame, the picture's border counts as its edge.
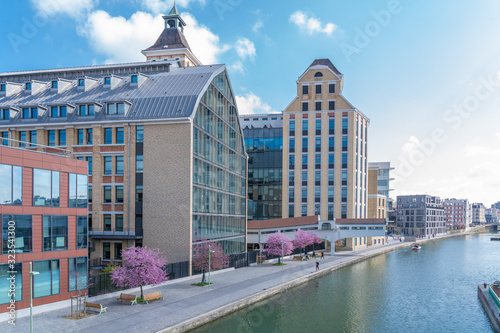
(331, 161)
(119, 194)
(52, 138)
(77, 273)
(317, 194)
(317, 178)
(344, 177)
(89, 195)
(58, 111)
(139, 163)
(292, 127)
(291, 194)
(344, 143)
(30, 113)
(46, 188)
(115, 108)
(305, 90)
(118, 251)
(81, 231)
(344, 125)
(107, 222)
(291, 145)
(119, 135)
(291, 210)
(305, 142)
(291, 178)
(305, 127)
(89, 136)
(304, 161)
(303, 210)
(304, 178)
(139, 135)
(344, 160)
(317, 145)
(331, 177)
(62, 137)
(6, 273)
(318, 126)
(331, 213)
(331, 88)
(304, 194)
(5, 135)
(318, 106)
(2, 87)
(317, 161)
(317, 209)
(55, 233)
(119, 165)
(77, 191)
(119, 222)
(106, 251)
(53, 84)
(318, 89)
(138, 194)
(344, 194)
(22, 138)
(107, 80)
(305, 106)
(4, 114)
(33, 138)
(21, 228)
(27, 85)
(318, 74)
(133, 79)
(331, 143)
(81, 82)
(47, 281)
(108, 136)
(107, 194)
(331, 105)
(80, 137)
(291, 162)
(86, 110)
(331, 126)
(330, 194)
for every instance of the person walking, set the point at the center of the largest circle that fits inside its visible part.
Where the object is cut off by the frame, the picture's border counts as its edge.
(317, 266)
(322, 255)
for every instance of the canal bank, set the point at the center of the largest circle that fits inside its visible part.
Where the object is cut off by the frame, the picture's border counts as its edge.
(490, 306)
(186, 307)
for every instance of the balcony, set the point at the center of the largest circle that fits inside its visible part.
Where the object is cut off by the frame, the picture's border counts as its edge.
(114, 233)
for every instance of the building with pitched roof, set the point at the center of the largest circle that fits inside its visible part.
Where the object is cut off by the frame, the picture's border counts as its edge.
(167, 164)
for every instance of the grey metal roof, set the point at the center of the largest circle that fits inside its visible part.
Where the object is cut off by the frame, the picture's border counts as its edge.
(172, 94)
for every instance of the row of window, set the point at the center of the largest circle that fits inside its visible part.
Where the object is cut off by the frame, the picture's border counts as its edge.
(317, 161)
(317, 144)
(61, 111)
(331, 126)
(317, 210)
(318, 106)
(331, 89)
(46, 282)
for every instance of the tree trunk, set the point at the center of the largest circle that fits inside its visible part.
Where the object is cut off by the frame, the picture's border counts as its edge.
(279, 260)
(142, 294)
(203, 277)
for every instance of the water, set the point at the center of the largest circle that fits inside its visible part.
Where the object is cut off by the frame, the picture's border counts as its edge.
(431, 290)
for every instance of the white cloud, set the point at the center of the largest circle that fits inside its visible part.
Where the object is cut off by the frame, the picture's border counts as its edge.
(257, 26)
(412, 144)
(237, 67)
(163, 6)
(245, 48)
(73, 8)
(252, 104)
(311, 24)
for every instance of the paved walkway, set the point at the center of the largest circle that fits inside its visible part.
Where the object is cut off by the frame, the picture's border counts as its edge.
(184, 302)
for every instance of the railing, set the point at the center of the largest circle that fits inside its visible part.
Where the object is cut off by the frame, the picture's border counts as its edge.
(494, 295)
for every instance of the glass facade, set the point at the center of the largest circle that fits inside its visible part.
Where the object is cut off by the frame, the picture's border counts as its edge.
(11, 185)
(55, 232)
(219, 170)
(6, 273)
(78, 190)
(46, 188)
(265, 157)
(47, 282)
(20, 227)
(77, 272)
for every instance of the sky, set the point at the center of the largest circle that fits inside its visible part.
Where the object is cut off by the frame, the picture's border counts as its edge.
(426, 73)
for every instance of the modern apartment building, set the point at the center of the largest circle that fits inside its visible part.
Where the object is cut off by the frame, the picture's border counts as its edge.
(263, 135)
(43, 205)
(457, 213)
(377, 202)
(324, 149)
(383, 179)
(163, 142)
(491, 215)
(420, 215)
(478, 214)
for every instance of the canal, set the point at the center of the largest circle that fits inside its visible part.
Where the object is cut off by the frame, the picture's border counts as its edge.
(431, 290)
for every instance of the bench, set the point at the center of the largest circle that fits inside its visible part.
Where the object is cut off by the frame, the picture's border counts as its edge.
(127, 298)
(299, 258)
(96, 306)
(152, 296)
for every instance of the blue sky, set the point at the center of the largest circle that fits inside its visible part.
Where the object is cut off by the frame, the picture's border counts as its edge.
(425, 72)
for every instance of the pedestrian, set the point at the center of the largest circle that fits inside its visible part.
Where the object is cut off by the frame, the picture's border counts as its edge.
(317, 266)
(314, 254)
(322, 255)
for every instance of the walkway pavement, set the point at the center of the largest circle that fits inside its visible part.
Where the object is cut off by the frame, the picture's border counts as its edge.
(186, 303)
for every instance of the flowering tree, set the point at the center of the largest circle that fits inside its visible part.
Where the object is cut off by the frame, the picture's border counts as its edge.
(274, 243)
(304, 238)
(218, 259)
(141, 266)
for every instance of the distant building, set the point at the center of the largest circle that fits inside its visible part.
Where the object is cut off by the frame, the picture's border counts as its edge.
(391, 216)
(478, 214)
(325, 165)
(496, 205)
(491, 215)
(457, 213)
(383, 179)
(420, 215)
(264, 145)
(378, 189)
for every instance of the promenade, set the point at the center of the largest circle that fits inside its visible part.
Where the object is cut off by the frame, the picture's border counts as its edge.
(186, 306)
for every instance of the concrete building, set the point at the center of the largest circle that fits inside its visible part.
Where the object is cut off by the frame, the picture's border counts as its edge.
(383, 179)
(44, 220)
(324, 149)
(391, 217)
(167, 164)
(377, 202)
(420, 215)
(491, 215)
(478, 214)
(457, 213)
(264, 145)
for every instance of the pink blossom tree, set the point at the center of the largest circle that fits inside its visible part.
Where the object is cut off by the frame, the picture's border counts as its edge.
(274, 243)
(304, 238)
(141, 266)
(218, 259)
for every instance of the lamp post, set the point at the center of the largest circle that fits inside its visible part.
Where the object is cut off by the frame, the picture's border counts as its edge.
(326, 244)
(31, 295)
(282, 254)
(209, 264)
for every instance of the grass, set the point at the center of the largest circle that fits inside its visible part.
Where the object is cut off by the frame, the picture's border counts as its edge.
(279, 264)
(201, 284)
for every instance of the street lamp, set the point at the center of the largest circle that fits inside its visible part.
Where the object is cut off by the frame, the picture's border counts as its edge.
(209, 264)
(326, 244)
(282, 254)
(31, 295)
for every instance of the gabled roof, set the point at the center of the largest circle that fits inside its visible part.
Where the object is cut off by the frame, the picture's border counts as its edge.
(279, 223)
(170, 39)
(325, 62)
